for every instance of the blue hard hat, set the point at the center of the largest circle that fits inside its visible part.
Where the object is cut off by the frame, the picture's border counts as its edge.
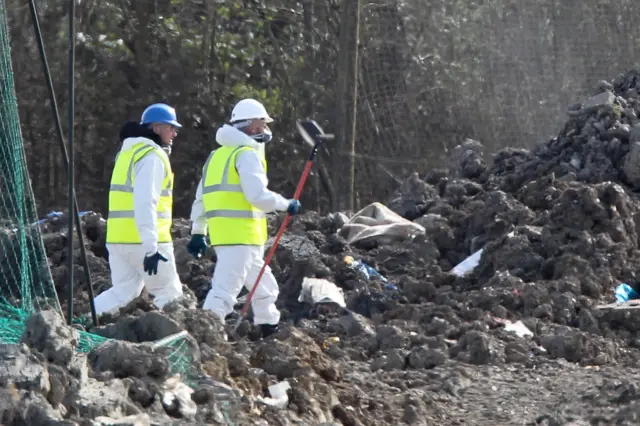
(160, 113)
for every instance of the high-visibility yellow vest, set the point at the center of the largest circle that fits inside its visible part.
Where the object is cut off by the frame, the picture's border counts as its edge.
(121, 225)
(231, 219)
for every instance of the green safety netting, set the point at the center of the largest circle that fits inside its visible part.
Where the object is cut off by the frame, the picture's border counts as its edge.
(26, 284)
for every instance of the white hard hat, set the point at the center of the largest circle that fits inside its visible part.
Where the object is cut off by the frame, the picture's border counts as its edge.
(250, 109)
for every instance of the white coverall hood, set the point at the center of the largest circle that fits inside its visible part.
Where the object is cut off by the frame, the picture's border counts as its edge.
(230, 136)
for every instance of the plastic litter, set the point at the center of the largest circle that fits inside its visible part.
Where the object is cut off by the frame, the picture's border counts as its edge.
(468, 265)
(518, 327)
(53, 215)
(624, 292)
(368, 272)
(319, 290)
(334, 340)
(279, 397)
(176, 397)
(377, 222)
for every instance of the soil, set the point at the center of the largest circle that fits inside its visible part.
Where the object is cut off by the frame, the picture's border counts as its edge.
(559, 225)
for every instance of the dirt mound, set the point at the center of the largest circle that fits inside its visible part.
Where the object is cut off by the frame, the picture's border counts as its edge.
(558, 228)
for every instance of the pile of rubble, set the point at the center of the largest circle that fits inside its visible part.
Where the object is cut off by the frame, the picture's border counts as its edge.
(498, 344)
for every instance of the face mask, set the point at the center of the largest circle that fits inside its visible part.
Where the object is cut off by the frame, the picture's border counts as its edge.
(167, 149)
(264, 137)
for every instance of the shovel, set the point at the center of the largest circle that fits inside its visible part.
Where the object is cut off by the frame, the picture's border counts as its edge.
(314, 136)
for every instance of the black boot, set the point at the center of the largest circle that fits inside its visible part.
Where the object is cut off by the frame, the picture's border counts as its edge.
(268, 329)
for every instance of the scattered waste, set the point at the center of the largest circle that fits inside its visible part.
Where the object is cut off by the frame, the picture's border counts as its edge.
(368, 272)
(518, 327)
(54, 215)
(624, 292)
(334, 340)
(319, 290)
(279, 397)
(377, 222)
(468, 265)
(176, 398)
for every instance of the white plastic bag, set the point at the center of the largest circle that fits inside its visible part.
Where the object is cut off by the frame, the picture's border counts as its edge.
(319, 290)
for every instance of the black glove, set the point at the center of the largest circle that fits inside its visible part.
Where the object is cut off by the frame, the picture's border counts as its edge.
(197, 246)
(294, 207)
(151, 263)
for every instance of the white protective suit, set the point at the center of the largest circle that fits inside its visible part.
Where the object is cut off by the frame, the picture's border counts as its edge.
(126, 260)
(239, 265)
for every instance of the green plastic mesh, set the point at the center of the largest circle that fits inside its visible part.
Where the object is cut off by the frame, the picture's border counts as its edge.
(26, 284)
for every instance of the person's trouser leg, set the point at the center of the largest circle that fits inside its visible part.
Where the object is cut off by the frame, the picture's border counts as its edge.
(232, 266)
(126, 281)
(166, 285)
(264, 299)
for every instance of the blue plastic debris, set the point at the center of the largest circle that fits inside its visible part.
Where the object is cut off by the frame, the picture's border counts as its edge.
(624, 293)
(368, 272)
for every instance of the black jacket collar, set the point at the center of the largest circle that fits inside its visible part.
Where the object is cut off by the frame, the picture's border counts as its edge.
(132, 129)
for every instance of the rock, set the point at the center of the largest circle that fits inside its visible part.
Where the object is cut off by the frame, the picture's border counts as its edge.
(135, 420)
(297, 248)
(126, 359)
(101, 399)
(47, 333)
(425, 357)
(631, 167)
(354, 325)
(476, 347)
(21, 370)
(389, 336)
(468, 160)
(438, 231)
(412, 197)
(602, 99)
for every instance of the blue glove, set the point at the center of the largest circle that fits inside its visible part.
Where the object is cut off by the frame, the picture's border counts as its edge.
(294, 207)
(151, 263)
(197, 246)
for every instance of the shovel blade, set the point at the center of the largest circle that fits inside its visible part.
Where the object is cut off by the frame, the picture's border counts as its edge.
(310, 131)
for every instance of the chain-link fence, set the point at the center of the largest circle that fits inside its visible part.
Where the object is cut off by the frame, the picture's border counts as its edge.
(502, 72)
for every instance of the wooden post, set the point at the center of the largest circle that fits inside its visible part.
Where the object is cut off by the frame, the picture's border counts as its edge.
(355, 68)
(345, 119)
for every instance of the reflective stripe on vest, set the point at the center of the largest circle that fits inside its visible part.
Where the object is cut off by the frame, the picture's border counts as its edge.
(121, 226)
(231, 219)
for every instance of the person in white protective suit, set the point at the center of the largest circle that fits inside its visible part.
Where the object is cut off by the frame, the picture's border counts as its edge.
(140, 213)
(231, 201)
